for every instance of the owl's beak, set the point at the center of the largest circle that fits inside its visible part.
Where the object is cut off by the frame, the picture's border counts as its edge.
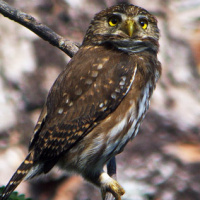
(130, 27)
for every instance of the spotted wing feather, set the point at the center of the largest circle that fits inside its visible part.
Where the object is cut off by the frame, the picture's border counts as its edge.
(83, 95)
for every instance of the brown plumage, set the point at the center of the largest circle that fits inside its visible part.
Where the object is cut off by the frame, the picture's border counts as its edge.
(97, 103)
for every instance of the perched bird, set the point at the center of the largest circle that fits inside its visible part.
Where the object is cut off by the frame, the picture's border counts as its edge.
(98, 102)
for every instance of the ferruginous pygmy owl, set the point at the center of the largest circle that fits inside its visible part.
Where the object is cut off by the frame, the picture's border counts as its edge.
(98, 102)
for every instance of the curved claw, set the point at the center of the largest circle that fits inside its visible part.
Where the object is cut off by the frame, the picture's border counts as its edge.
(110, 185)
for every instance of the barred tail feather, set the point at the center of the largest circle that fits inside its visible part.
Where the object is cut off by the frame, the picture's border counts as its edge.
(18, 176)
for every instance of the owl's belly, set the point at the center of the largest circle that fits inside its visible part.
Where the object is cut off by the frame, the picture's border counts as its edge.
(110, 137)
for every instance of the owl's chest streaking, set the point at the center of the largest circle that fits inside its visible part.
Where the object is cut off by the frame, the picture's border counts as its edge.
(128, 118)
(110, 137)
(112, 133)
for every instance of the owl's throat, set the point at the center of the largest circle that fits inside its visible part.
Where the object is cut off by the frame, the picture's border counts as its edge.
(135, 46)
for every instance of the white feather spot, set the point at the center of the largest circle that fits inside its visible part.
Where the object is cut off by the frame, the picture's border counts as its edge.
(114, 95)
(123, 78)
(71, 104)
(88, 81)
(100, 66)
(60, 111)
(122, 83)
(117, 90)
(94, 74)
(67, 101)
(101, 105)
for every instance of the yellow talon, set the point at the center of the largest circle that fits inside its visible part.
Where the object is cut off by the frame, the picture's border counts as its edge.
(110, 185)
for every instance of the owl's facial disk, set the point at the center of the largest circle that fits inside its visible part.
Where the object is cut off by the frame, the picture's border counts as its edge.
(126, 27)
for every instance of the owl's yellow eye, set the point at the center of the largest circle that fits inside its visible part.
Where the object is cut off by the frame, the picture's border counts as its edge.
(143, 23)
(113, 21)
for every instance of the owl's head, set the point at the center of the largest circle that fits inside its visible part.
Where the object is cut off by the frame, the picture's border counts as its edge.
(127, 27)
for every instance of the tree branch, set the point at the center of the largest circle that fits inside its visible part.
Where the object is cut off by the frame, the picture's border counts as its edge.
(70, 48)
(38, 28)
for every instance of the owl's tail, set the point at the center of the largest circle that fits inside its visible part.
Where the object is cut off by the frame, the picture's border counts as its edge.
(18, 176)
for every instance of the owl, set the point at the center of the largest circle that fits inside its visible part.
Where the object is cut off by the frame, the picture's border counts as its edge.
(96, 105)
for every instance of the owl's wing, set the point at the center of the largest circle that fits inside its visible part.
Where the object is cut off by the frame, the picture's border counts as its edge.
(88, 90)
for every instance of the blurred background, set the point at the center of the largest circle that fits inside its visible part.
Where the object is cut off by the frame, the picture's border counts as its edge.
(163, 161)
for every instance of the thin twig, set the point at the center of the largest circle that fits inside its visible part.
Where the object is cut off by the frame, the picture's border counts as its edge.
(70, 48)
(38, 28)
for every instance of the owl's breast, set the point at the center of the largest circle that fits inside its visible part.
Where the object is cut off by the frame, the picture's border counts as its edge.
(129, 125)
(112, 134)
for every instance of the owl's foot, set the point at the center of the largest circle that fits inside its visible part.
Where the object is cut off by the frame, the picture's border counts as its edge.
(110, 185)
